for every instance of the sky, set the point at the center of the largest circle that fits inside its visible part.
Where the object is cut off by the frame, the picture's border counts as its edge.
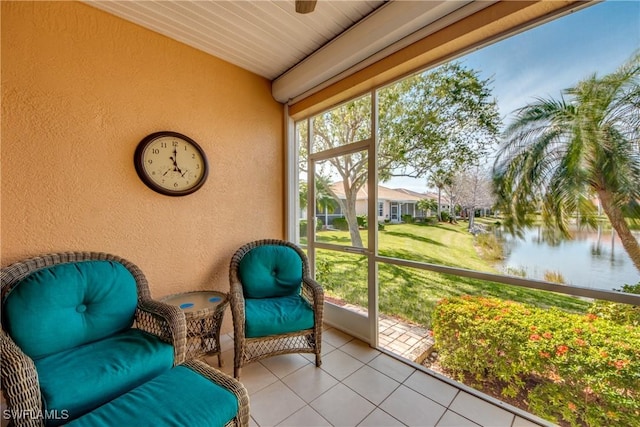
(544, 60)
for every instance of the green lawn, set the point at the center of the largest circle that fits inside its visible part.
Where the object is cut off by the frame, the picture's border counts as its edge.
(412, 293)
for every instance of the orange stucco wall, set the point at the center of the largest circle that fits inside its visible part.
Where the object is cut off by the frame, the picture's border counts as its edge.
(80, 89)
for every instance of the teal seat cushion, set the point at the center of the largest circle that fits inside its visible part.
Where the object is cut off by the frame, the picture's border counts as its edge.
(68, 305)
(177, 398)
(81, 379)
(274, 316)
(270, 271)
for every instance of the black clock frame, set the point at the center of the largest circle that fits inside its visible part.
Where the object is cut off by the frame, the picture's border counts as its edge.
(138, 162)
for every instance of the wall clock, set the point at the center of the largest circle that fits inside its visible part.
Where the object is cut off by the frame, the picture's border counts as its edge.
(171, 163)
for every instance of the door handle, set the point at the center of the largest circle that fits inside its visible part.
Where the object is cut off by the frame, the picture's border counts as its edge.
(353, 250)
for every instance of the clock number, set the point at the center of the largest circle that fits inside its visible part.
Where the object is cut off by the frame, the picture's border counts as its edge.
(150, 161)
(175, 184)
(155, 151)
(163, 145)
(175, 143)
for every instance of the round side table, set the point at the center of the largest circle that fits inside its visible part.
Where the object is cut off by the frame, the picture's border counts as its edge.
(203, 311)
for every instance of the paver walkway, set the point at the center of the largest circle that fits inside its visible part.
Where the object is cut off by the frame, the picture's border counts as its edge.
(410, 341)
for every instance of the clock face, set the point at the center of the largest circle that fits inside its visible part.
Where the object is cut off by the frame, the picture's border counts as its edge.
(171, 163)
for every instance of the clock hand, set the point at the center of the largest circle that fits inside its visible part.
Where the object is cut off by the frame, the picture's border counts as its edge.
(175, 164)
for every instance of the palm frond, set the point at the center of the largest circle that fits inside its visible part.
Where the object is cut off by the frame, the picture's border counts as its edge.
(558, 153)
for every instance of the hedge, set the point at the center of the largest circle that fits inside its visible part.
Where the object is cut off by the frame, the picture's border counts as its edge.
(579, 369)
(340, 224)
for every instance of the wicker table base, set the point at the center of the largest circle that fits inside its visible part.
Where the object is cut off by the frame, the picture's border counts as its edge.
(204, 311)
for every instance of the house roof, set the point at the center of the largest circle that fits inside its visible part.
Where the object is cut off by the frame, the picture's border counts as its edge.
(426, 195)
(390, 194)
(384, 193)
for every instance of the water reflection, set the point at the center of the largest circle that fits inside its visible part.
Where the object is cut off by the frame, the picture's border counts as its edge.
(593, 258)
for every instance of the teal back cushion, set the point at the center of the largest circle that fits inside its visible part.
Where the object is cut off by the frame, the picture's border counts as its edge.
(68, 305)
(270, 271)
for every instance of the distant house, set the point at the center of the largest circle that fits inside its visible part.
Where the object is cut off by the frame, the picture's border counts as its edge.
(444, 201)
(392, 203)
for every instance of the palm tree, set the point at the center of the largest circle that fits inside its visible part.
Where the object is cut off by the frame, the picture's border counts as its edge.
(427, 205)
(325, 199)
(440, 179)
(558, 153)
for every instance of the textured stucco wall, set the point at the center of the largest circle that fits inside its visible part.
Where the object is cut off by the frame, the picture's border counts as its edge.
(80, 89)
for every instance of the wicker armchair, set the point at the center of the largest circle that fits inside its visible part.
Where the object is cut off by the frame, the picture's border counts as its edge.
(22, 384)
(247, 286)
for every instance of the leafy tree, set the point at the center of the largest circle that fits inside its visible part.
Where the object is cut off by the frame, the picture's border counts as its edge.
(341, 126)
(559, 153)
(441, 119)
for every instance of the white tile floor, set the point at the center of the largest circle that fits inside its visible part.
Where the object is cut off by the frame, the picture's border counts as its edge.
(359, 386)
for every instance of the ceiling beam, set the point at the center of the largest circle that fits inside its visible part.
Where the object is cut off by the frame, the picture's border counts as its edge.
(389, 23)
(488, 25)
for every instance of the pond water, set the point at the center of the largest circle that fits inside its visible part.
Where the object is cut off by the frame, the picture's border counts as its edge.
(592, 259)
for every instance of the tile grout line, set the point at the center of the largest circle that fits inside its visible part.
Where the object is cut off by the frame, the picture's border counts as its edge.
(339, 345)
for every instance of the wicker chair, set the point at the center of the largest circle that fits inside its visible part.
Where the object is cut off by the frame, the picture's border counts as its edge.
(21, 383)
(251, 343)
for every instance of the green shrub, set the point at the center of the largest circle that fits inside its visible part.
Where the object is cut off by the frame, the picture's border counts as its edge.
(616, 312)
(380, 226)
(362, 221)
(430, 221)
(303, 226)
(444, 216)
(323, 273)
(340, 224)
(406, 218)
(579, 369)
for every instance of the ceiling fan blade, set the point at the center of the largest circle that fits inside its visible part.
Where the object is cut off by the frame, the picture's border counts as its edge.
(305, 6)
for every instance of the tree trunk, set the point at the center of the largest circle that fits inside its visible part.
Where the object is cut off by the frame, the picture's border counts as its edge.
(472, 216)
(326, 216)
(439, 204)
(629, 242)
(354, 230)
(352, 218)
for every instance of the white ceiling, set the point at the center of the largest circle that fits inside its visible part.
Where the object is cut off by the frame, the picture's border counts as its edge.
(265, 37)
(297, 52)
